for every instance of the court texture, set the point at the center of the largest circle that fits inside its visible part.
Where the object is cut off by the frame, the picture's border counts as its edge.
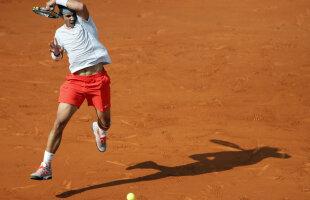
(210, 101)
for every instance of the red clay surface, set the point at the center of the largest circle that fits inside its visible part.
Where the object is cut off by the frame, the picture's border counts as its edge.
(210, 100)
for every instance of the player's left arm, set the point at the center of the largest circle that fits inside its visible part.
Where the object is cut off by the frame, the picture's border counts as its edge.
(79, 7)
(56, 50)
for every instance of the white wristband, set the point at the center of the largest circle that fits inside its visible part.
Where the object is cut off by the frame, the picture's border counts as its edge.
(62, 2)
(56, 57)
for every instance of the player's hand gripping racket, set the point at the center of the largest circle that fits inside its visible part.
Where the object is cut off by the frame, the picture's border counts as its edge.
(50, 13)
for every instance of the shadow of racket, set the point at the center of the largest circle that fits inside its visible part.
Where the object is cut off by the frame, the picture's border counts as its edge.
(227, 144)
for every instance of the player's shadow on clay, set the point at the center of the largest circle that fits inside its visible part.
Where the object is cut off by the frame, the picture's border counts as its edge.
(204, 163)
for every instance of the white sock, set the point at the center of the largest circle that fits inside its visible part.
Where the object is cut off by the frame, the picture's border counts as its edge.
(48, 157)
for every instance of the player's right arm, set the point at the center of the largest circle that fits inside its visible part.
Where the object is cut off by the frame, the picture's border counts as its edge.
(79, 7)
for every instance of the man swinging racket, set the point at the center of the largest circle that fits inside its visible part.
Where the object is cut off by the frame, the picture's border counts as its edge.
(78, 37)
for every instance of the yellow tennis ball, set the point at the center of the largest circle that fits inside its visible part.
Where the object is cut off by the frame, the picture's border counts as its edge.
(131, 196)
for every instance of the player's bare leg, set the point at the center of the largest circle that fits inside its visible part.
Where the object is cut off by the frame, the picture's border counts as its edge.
(104, 119)
(64, 114)
(100, 129)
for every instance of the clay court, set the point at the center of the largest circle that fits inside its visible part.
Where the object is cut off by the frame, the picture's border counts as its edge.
(210, 101)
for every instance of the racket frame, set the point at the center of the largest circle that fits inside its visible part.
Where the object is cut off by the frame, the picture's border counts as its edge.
(45, 12)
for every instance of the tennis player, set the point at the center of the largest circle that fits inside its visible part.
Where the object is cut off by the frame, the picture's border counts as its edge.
(78, 37)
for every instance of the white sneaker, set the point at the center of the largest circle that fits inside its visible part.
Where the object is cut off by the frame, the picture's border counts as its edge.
(101, 137)
(43, 173)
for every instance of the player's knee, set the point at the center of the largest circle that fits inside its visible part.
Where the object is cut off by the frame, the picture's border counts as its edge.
(59, 124)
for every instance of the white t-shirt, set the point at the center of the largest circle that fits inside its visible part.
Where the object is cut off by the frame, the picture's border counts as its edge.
(82, 45)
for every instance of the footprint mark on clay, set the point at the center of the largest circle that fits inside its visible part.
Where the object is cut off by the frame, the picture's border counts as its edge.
(217, 190)
(169, 138)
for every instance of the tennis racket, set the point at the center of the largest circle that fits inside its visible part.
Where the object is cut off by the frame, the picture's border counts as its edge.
(45, 12)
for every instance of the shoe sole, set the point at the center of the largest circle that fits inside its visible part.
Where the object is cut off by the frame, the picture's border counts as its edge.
(40, 178)
(96, 142)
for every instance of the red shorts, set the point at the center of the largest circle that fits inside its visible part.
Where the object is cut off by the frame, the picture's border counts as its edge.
(95, 88)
